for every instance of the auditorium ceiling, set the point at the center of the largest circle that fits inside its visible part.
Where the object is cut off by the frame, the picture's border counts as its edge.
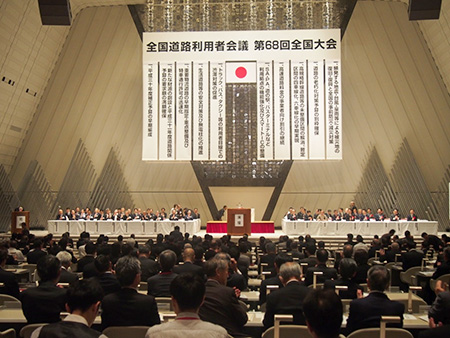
(56, 89)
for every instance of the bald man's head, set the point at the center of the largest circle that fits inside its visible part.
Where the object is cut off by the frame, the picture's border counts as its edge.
(188, 255)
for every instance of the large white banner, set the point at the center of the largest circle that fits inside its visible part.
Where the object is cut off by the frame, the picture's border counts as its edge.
(217, 111)
(316, 119)
(298, 105)
(281, 98)
(299, 111)
(150, 123)
(333, 110)
(200, 117)
(265, 111)
(167, 111)
(184, 113)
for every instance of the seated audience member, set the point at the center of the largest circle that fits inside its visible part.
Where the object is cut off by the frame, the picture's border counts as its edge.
(347, 271)
(188, 293)
(66, 260)
(199, 252)
(107, 280)
(269, 258)
(360, 245)
(442, 269)
(280, 259)
(159, 285)
(328, 273)
(128, 307)
(366, 312)
(439, 317)
(34, 255)
(14, 252)
(361, 258)
(11, 287)
(413, 257)
(289, 299)
(390, 254)
(235, 278)
(43, 304)
(311, 258)
(375, 246)
(221, 305)
(83, 302)
(323, 313)
(188, 266)
(90, 250)
(148, 266)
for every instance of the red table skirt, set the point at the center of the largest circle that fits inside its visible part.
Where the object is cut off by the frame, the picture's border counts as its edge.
(257, 227)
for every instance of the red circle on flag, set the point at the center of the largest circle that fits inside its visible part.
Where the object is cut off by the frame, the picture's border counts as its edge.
(241, 72)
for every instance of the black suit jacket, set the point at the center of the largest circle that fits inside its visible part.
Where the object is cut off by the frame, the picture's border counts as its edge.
(328, 273)
(108, 282)
(44, 303)
(221, 307)
(84, 261)
(11, 286)
(288, 300)
(352, 288)
(127, 307)
(34, 255)
(188, 267)
(263, 288)
(366, 312)
(439, 332)
(159, 285)
(148, 268)
(67, 276)
(412, 258)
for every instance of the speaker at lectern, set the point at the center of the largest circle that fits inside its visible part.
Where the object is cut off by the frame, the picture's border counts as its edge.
(20, 220)
(239, 221)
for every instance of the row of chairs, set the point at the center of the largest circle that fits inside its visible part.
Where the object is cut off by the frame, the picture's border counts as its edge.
(301, 331)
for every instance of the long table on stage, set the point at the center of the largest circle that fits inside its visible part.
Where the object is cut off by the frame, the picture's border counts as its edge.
(364, 228)
(123, 227)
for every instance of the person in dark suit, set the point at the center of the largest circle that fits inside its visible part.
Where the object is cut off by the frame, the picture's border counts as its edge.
(412, 216)
(189, 266)
(390, 254)
(323, 313)
(269, 259)
(280, 259)
(395, 216)
(66, 260)
(347, 271)
(159, 285)
(366, 312)
(149, 267)
(361, 257)
(83, 302)
(11, 287)
(311, 258)
(127, 307)
(436, 332)
(220, 213)
(89, 258)
(221, 305)
(287, 300)
(176, 234)
(43, 304)
(413, 257)
(34, 255)
(431, 241)
(107, 280)
(327, 273)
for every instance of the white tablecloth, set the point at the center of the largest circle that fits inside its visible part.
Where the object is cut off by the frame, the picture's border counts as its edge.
(123, 227)
(331, 228)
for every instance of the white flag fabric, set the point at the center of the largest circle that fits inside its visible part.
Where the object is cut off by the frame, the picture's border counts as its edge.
(240, 72)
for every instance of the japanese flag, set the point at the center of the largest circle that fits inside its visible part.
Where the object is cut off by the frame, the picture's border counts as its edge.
(241, 72)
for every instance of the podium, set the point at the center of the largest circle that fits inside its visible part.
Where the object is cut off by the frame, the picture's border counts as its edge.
(17, 219)
(239, 221)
